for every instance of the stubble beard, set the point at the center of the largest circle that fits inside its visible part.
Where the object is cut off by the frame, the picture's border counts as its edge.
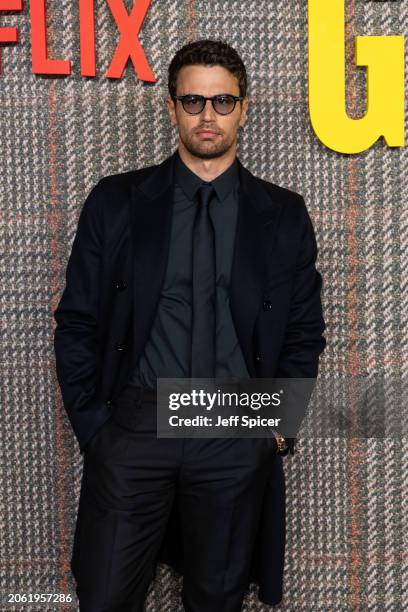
(206, 149)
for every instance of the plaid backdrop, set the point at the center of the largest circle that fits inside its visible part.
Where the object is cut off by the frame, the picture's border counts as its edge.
(347, 500)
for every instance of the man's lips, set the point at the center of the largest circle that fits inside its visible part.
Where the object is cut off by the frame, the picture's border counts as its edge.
(207, 133)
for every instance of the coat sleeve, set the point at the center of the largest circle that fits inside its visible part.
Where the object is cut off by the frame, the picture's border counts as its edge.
(76, 333)
(304, 340)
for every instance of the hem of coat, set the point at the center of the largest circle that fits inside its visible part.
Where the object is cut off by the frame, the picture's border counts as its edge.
(270, 600)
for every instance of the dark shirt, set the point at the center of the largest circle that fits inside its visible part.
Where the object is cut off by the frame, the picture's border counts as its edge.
(167, 352)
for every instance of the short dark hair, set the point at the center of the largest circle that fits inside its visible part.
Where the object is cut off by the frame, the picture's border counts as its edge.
(207, 53)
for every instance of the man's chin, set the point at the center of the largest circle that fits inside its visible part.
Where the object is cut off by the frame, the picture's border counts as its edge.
(206, 152)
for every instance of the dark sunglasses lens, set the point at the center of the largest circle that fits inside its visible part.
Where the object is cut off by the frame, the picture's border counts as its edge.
(224, 104)
(193, 104)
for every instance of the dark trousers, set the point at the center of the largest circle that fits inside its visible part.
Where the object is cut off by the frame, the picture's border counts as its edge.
(130, 481)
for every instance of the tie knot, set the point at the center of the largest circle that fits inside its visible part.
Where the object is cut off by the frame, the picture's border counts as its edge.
(205, 193)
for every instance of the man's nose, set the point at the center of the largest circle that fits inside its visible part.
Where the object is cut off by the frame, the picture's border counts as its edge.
(208, 111)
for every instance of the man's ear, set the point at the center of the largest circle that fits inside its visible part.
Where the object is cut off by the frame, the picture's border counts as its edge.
(243, 118)
(172, 110)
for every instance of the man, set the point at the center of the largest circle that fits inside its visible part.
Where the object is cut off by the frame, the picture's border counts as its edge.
(191, 268)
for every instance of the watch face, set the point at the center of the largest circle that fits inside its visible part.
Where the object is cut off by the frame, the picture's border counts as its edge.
(280, 442)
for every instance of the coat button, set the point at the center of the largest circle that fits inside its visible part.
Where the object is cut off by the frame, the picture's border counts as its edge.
(257, 358)
(120, 285)
(119, 346)
(267, 305)
(108, 402)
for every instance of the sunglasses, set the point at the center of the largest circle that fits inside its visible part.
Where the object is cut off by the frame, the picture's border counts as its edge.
(223, 104)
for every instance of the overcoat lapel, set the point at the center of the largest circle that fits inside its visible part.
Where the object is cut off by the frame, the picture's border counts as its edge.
(150, 234)
(253, 259)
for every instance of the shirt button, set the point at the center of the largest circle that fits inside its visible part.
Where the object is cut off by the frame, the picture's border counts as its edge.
(119, 346)
(108, 402)
(257, 358)
(267, 305)
(120, 285)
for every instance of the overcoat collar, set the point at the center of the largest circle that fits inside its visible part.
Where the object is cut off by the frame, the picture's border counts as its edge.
(151, 209)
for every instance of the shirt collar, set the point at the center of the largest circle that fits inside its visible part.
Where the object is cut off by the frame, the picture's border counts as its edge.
(190, 182)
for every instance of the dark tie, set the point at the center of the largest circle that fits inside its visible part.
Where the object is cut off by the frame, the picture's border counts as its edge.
(203, 314)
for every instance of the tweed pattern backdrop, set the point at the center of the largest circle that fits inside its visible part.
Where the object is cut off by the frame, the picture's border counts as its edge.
(346, 498)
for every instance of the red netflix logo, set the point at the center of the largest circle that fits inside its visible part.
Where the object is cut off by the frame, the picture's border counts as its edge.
(128, 46)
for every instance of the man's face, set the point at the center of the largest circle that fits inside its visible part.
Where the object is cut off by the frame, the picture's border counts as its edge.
(207, 81)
